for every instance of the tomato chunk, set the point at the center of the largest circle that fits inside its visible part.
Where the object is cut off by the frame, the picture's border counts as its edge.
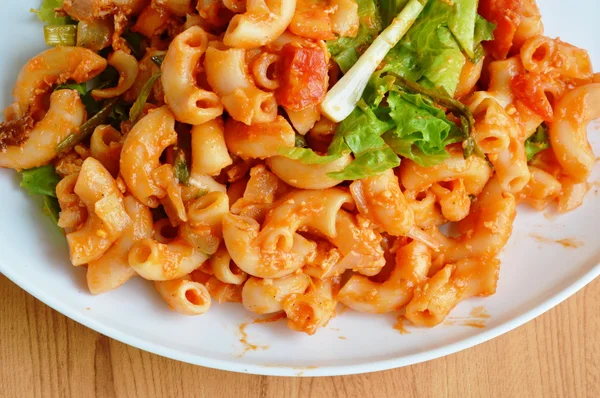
(303, 77)
(530, 88)
(505, 14)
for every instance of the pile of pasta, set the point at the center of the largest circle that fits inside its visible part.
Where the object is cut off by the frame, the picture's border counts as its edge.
(240, 80)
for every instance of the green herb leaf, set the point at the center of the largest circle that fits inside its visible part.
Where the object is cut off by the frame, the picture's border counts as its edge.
(51, 208)
(537, 142)
(40, 180)
(87, 128)
(80, 87)
(134, 41)
(138, 106)
(47, 15)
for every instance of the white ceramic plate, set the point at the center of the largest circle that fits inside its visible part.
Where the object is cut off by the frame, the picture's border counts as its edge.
(536, 272)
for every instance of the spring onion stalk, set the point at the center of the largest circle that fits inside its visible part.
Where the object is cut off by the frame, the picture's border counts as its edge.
(341, 100)
(138, 106)
(88, 127)
(60, 35)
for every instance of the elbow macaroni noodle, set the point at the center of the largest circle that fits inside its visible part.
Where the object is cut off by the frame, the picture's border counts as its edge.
(240, 81)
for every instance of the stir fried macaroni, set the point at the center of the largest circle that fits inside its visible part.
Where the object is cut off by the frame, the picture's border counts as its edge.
(199, 145)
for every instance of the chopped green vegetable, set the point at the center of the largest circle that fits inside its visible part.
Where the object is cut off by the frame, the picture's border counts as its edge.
(47, 15)
(537, 142)
(60, 35)
(300, 141)
(51, 208)
(138, 106)
(87, 128)
(80, 87)
(307, 155)
(134, 41)
(158, 59)
(181, 169)
(119, 114)
(346, 50)
(40, 180)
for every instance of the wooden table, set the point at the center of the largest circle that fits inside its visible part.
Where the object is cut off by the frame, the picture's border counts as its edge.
(44, 354)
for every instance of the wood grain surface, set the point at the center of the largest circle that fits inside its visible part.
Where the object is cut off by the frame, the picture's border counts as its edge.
(44, 354)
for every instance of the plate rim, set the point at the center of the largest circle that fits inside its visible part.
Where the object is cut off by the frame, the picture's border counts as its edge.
(284, 370)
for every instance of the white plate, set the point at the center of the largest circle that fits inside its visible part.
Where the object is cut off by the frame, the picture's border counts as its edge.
(535, 275)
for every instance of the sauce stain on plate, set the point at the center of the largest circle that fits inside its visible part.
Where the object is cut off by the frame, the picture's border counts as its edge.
(399, 326)
(243, 338)
(570, 243)
(476, 319)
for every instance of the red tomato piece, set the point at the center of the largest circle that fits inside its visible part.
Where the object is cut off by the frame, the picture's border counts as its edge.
(529, 88)
(303, 77)
(505, 14)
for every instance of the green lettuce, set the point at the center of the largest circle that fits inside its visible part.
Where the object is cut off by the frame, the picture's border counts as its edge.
(47, 15)
(346, 50)
(537, 142)
(484, 31)
(360, 134)
(373, 161)
(42, 181)
(421, 131)
(429, 49)
(388, 9)
(307, 155)
(461, 22)
(433, 50)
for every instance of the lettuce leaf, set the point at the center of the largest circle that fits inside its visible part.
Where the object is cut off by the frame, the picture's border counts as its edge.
(388, 9)
(360, 133)
(42, 181)
(422, 130)
(429, 50)
(47, 15)
(307, 155)
(537, 142)
(346, 50)
(461, 23)
(373, 161)
(484, 31)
